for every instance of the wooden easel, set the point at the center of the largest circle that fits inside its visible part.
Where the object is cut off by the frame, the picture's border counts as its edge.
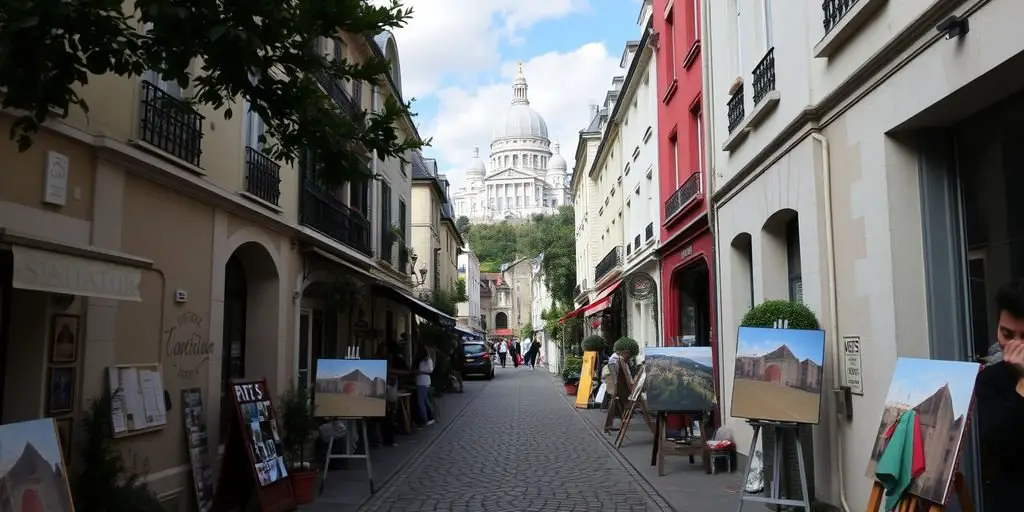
(621, 388)
(911, 503)
(784, 433)
(350, 423)
(637, 391)
(663, 447)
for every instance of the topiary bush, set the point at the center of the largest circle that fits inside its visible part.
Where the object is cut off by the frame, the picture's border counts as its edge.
(627, 344)
(766, 313)
(594, 343)
(571, 369)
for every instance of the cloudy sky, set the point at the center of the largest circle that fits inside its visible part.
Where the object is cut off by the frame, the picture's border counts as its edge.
(459, 57)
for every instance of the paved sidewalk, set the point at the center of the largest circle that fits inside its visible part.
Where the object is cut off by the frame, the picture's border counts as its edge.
(348, 488)
(685, 486)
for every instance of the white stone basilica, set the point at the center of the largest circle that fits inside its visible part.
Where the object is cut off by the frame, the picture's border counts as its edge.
(526, 177)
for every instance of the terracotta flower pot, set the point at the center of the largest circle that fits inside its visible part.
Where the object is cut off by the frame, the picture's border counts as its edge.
(303, 485)
(570, 389)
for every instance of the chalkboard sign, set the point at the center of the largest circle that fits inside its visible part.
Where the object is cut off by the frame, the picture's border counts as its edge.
(254, 463)
(198, 447)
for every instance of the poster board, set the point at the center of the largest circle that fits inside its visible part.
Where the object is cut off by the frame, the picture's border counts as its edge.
(586, 379)
(137, 403)
(253, 467)
(198, 447)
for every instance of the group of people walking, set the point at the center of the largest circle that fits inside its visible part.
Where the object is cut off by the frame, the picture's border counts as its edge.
(514, 350)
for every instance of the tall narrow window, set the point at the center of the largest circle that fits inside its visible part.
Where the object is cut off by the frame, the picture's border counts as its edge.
(670, 44)
(253, 128)
(766, 12)
(695, 19)
(673, 142)
(738, 33)
(386, 238)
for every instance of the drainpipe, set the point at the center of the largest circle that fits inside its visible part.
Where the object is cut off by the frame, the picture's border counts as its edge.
(833, 308)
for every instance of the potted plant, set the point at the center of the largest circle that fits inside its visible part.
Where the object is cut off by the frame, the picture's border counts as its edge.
(594, 343)
(299, 427)
(797, 315)
(571, 374)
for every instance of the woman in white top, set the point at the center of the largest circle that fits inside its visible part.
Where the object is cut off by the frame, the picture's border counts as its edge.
(502, 352)
(424, 367)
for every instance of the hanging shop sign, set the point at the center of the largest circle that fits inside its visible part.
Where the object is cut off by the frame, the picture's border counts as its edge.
(852, 374)
(640, 286)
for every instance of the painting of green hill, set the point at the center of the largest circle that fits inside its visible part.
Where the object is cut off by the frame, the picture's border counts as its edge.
(679, 378)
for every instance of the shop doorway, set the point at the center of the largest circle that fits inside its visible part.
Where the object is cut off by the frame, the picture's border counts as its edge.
(693, 301)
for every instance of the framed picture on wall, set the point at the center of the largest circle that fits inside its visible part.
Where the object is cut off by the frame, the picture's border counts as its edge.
(61, 392)
(64, 339)
(64, 428)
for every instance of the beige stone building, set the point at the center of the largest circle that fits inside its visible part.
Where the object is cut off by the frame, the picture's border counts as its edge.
(435, 240)
(166, 237)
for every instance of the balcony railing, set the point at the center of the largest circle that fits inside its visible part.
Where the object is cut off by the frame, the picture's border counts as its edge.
(736, 109)
(170, 124)
(764, 76)
(610, 261)
(324, 212)
(262, 176)
(336, 92)
(682, 196)
(832, 12)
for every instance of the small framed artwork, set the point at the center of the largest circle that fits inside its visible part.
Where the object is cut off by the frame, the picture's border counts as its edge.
(64, 429)
(62, 389)
(64, 339)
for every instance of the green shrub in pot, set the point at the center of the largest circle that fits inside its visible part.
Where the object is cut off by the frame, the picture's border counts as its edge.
(766, 313)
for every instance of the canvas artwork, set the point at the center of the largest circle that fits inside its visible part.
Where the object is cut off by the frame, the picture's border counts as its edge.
(679, 378)
(34, 476)
(941, 393)
(778, 375)
(351, 388)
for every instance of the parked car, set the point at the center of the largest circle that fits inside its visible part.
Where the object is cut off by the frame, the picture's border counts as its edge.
(478, 359)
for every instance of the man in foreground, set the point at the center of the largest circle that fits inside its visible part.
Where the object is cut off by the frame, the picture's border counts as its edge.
(1000, 396)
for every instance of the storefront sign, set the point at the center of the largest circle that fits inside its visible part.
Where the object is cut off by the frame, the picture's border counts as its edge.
(686, 252)
(61, 273)
(852, 376)
(187, 346)
(640, 286)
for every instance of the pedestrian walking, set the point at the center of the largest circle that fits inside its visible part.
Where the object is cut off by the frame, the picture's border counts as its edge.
(531, 355)
(424, 367)
(502, 352)
(517, 356)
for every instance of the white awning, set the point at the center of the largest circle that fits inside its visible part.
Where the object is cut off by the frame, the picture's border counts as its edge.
(46, 271)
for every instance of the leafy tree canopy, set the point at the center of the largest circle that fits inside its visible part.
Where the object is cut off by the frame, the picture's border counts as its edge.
(553, 235)
(51, 48)
(462, 224)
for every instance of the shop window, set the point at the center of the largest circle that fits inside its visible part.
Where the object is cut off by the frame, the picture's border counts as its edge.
(742, 269)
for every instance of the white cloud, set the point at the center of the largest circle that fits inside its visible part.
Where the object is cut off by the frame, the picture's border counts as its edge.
(459, 38)
(561, 87)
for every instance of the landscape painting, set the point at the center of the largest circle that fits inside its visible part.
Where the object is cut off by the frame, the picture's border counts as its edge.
(940, 392)
(778, 375)
(34, 476)
(351, 388)
(679, 378)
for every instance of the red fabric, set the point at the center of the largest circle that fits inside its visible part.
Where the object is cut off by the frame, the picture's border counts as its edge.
(892, 428)
(917, 467)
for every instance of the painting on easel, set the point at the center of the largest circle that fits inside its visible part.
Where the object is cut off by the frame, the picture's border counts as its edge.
(940, 395)
(351, 388)
(679, 378)
(778, 375)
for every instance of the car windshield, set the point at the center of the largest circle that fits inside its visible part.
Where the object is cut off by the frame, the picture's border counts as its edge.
(475, 348)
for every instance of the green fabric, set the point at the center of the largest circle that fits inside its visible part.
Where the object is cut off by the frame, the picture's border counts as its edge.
(895, 464)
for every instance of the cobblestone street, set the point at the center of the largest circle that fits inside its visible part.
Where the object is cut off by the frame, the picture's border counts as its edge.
(517, 447)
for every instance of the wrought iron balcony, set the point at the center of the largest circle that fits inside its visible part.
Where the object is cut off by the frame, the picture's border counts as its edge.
(764, 76)
(337, 93)
(170, 124)
(682, 196)
(832, 12)
(324, 212)
(610, 262)
(736, 109)
(262, 176)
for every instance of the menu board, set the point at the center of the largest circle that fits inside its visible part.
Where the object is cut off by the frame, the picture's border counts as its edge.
(254, 466)
(198, 447)
(137, 399)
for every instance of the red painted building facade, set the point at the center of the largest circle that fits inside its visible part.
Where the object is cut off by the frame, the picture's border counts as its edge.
(687, 261)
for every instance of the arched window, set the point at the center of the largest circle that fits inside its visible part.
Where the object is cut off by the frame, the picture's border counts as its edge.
(501, 321)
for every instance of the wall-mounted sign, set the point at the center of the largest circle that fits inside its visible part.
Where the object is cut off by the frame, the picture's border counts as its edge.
(640, 286)
(852, 374)
(686, 252)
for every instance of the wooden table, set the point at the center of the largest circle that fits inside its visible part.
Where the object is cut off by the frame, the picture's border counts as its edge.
(404, 411)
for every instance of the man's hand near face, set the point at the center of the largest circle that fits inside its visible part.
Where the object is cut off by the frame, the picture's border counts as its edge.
(1013, 355)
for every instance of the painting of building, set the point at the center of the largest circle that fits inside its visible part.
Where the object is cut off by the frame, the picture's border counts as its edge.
(778, 374)
(940, 392)
(679, 378)
(350, 388)
(33, 477)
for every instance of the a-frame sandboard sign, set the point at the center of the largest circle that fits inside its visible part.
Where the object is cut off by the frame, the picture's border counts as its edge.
(253, 473)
